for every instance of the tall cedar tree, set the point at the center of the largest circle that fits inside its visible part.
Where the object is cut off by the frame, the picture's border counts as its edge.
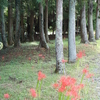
(22, 22)
(97, 34)
(71, 33)
(90, 24)
(3, 33)
(43, 42)
(60, 67)
(46, 21)
(10, 23)
(84, 36)
(17, 29)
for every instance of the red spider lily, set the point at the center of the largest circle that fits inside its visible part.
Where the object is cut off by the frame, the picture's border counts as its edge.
(41, 75)
(80, 54)
(62, 89)
(29, 58)
(68, 85)
(73, 92)
(6, 96)
(89, 75)
(81, 86)
(3, 57)
(55, 85)
(85, 71)
(67, 81)
(43, 57)
(40, 55)
(64, 61)
(33, 93)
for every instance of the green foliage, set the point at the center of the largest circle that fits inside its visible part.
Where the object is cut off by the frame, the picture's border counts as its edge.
(65, 9)
(3, 3)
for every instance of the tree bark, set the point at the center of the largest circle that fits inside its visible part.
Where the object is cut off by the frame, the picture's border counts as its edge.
(97, 34)
(60, 67)
(17, 29)
(84, 37)
(22, 28)
(71, 33)
(46, 21)
(3, 33)
(43, 42)
(90, 24)
(10, 23)
(22, 23)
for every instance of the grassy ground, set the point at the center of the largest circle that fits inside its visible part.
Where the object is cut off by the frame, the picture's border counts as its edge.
(18, 74)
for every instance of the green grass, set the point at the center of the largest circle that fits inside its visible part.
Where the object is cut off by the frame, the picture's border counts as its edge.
(17, 65)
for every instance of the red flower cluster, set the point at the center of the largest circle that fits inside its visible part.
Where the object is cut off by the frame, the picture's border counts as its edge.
(40, 55)
(6, 96)
(64, 61)
(80, 54)
(67, 85)
(29, 58)
(55, 85)
(41, 75)
(89, 75)
(86, 72)
(3, 57)
(33, 93)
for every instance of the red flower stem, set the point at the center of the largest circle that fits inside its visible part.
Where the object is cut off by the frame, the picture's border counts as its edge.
(82, 78)
(60, 95)
(81, 62)
(37, 85)
(78, 63)
(40, 88)
(63, 96)
(68, 98)
(38, 60)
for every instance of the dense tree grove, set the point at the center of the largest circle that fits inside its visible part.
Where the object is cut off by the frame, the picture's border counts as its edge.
(29, 20)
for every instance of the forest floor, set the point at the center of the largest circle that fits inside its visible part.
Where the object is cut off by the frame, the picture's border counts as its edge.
(19, 68)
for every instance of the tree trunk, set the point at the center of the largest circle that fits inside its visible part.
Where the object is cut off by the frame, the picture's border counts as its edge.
(22, 28)
(10, 23)
(91, 34)
(97, 34)
(17, 29)
(31, 36)
(71, 33)
(3, 33)
(43, 42)
(28, 26)
(22, 24)
(46, 21)
(84, 37)
(60, 67)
